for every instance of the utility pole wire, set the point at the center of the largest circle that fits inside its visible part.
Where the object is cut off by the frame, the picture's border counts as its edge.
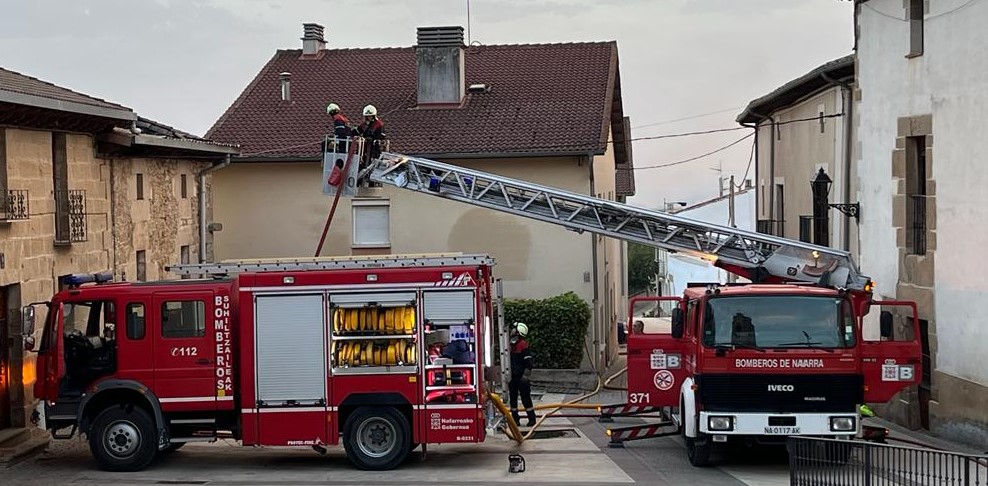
(698, 157)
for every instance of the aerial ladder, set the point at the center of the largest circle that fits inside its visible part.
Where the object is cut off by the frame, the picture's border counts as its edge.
(757, 257)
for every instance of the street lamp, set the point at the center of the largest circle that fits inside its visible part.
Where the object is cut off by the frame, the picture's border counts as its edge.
(822, 184)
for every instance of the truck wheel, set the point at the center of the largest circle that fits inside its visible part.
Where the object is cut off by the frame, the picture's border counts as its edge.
(698, 450)
(697, 453)
(377, 438)
(122, 440)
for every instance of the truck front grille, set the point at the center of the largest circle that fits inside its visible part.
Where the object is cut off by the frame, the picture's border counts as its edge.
(780, 393)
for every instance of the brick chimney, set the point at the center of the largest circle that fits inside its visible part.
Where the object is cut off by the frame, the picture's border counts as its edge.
(312, 40)
(439, 54)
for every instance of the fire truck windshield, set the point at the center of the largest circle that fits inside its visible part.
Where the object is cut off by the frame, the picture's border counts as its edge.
(778, 321)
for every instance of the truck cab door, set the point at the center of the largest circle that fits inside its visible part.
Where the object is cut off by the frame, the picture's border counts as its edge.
(184, 350)
(656, 367)
(892, 360)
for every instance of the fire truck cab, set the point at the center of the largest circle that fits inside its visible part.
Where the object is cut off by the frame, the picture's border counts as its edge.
(380, 354)
(759, 362)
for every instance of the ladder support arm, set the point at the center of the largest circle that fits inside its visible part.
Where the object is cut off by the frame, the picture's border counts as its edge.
(756, 256)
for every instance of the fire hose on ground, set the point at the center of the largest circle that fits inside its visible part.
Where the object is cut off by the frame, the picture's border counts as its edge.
(514, 433)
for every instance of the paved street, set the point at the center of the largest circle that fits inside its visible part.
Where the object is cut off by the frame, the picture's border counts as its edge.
(581, 459)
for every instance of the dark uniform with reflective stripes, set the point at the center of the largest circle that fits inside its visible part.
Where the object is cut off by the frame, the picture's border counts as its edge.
(521, 363)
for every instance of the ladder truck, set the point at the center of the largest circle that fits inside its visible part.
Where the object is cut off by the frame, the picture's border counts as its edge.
(785, 355)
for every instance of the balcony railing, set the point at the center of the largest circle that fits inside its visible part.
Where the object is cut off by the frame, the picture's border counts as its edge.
(70, 217)
(771, 227)
(917, 237)
(15, 206)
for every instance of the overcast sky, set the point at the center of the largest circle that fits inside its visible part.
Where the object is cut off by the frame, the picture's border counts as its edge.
(183, 62)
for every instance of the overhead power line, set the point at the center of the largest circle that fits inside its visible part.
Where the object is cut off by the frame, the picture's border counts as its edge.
(691, 117)
(698, 157)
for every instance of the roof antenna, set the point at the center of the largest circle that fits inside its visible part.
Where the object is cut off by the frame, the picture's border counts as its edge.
(468, 22)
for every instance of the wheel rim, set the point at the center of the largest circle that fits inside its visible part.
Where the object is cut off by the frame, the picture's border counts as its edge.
(376, 437)
(122, 439)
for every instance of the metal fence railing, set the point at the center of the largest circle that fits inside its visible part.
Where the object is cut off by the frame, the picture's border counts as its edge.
(832, 462)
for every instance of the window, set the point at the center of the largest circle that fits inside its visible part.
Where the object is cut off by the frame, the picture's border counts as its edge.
(915, 28)
(371, 223)
(184, 319)
(142, 266)
(778, 322)
(185, 186)
(135, 322)
(60, 175)
(140, 187)
(88, 319)
(916, 195)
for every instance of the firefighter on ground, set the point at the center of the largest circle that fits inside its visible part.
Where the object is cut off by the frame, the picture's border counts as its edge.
(521, 371)
(341, 126)
(372, 129)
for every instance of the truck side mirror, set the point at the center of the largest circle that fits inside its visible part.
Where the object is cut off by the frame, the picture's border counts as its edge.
(677, 323)
(27, 320)
(885, 324)
(27, 326)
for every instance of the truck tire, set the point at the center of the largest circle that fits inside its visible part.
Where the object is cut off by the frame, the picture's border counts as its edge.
(697, 448)
(377, 438)
(123, 440)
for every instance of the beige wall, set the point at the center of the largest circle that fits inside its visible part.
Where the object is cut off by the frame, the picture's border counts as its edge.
(33, 262)
(160, 224)
(800, 150)
(278, 210)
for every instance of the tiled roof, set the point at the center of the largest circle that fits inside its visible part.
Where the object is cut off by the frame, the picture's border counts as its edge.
(15, 82)
(841, 69)
(544, 98)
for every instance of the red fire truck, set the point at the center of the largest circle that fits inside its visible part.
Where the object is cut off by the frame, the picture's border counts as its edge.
(381, 354)
(760, 362)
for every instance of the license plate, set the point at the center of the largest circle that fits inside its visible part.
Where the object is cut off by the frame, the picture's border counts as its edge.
(781, 430)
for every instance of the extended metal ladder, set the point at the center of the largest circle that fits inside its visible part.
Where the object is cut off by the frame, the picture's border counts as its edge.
(229, 267)
(756, 256)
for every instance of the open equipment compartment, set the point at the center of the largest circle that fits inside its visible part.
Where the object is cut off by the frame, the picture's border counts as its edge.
(374, 332)
(450, 335)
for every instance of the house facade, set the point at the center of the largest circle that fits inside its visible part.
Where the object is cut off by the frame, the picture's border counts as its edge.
(921, 99)
(803, 127)
(87, 186)
(549, 114)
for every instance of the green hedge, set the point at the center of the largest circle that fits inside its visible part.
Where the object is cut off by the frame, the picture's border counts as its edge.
(557, 328)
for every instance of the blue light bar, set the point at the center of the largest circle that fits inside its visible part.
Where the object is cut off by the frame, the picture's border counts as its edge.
(78, 279)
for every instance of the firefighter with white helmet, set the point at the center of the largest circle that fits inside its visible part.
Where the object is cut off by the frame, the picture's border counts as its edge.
(372, 129)
(522, 363)
(341, 126)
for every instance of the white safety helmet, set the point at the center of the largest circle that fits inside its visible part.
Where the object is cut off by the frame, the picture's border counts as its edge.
(522, 329)
(332, 108)
(370, 110)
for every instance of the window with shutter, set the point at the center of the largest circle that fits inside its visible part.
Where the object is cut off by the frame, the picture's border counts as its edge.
(371, 223)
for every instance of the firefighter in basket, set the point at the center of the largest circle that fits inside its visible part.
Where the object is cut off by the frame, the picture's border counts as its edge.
(372, 129)
(521, 371)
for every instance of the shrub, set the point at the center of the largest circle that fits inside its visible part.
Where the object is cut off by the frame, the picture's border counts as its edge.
(557, 328)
